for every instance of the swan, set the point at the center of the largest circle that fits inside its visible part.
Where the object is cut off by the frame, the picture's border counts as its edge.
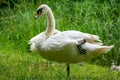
(65, 46)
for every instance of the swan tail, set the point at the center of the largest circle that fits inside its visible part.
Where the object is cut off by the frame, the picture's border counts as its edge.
(105, 49)
(100, 50)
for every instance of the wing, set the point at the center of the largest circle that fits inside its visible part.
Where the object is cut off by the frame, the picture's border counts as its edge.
(69, 38)
(39, 36)
(77, 35)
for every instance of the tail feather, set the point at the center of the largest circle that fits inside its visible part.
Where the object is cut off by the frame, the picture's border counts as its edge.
(94, 50)
(101, 50)
(105, 49)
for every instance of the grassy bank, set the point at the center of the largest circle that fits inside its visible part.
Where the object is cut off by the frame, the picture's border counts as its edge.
(14, 66)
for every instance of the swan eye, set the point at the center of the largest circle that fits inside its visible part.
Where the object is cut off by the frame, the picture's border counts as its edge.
(39, 10)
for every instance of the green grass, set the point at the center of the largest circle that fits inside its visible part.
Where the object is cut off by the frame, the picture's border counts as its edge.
(16, 66)
(17, 26)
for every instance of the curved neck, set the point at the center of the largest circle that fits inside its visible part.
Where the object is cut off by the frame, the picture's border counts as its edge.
(50, 24)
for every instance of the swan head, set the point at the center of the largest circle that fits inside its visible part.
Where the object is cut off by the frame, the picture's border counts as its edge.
(42, 9)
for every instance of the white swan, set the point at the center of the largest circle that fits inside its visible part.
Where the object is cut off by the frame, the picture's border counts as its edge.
(67, 46)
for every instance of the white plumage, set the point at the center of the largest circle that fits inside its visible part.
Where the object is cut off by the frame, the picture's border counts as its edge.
(63, 46)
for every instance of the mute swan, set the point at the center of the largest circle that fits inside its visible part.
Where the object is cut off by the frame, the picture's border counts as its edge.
(67, 46)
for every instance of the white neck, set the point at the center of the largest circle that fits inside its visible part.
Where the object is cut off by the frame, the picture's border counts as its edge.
(50, 24)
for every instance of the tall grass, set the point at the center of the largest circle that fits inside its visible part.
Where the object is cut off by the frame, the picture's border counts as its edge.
(17, 24)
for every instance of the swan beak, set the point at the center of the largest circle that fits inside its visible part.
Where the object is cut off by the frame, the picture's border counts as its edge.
(37, 15)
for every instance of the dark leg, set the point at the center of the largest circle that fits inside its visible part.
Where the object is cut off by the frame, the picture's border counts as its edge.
(68, 70)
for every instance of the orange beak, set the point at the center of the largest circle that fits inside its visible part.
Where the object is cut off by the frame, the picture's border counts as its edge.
(37, 15)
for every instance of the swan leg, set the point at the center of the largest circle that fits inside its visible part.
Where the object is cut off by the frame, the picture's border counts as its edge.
(83, 51)
(68, 70)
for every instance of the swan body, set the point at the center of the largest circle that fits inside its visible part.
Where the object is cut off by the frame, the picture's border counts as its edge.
(67, 46)
(61, 47)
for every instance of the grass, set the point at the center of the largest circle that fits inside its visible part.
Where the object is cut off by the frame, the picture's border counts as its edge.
(14, 66)
(17, 26)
